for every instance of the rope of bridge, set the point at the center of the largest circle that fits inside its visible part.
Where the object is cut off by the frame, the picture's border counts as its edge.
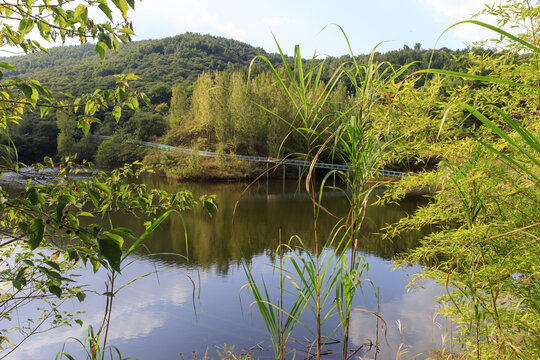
(271, 160)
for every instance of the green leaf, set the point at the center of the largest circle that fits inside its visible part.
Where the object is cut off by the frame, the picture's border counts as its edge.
(53, 264)
(85, 213)
(8, 66)
(26, 89)
(95, 264)
(84, 125)
(148, 231)
(209, 204)
(81, 13)
(72, 254)
(22, 25)
(55, 290)
(34, 97)
(475, 77)
(146, 99)
(103, 188)
(111, 248)
(44, 29)
(126, 31)
(115, 236)
(120, 94)
(81, 296)
(33, 196)
(131, 77)
(134, 103)
(63, 200)
(117, 113)
(36, 228)
(101, 49)
(122, 5)
(106, 10)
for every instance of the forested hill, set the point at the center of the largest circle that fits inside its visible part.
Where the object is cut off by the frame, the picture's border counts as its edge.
(174, 60)
(177, 74)
(159, 63)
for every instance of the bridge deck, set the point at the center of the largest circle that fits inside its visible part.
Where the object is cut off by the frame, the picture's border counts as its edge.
(320, 165)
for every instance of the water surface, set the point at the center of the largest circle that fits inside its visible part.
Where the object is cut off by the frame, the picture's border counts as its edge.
(191, 306)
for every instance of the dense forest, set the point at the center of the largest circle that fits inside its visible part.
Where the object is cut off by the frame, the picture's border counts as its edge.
(200, 94)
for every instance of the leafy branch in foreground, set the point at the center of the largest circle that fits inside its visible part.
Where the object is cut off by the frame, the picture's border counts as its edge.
(48, 212)
(486, 246)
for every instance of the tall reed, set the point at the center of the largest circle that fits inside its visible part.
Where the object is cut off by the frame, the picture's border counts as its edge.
(350, 134)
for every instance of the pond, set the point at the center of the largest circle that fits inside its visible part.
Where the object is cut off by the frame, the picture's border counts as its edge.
(184, 308)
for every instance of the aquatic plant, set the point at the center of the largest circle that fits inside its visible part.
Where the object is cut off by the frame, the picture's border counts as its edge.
(350, 134)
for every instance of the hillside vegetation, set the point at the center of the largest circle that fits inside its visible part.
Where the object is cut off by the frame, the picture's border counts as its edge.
(200, 94)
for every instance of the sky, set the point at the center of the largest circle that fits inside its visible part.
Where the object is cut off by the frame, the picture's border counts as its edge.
(311, 23)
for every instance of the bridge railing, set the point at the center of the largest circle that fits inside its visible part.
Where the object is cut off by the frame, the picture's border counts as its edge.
(270, 160)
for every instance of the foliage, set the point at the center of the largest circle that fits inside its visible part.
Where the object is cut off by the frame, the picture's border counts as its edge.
(168, 72)
(486, 247)
(115, 152)
(347, 127)
(46, 210)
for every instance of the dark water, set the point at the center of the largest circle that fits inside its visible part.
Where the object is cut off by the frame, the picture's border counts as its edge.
(201, 304)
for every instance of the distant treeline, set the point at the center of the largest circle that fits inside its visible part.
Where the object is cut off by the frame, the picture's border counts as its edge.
(201, 96)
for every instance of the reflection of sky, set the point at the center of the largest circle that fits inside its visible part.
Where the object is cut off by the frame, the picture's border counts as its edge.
(154, 318)
(412, 309)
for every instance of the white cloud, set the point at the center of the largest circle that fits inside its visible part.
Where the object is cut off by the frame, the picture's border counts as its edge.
(450, 12)
(178, 16)
(411, 309)
(136, 311)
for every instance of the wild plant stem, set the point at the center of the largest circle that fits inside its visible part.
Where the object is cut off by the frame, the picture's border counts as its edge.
(377, 328)
(109, 312)
(281, 335)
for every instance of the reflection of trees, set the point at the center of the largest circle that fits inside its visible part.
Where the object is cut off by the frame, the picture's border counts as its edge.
(216, 242)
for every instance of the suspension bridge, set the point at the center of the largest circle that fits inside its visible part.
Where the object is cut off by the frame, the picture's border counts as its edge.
(260, 159)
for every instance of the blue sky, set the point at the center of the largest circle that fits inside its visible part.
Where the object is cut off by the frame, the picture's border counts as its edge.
(366, 22)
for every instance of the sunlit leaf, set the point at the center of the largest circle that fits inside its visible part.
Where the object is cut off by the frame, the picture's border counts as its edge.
(101, 49)
(117, 113)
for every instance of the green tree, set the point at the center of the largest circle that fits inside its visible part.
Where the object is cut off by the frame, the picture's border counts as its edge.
(201, 104)
(46, 213)
(178, 107)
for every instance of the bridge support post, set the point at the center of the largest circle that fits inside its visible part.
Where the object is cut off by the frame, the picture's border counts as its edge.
(284, 178)
(334, 180)
(267, 170)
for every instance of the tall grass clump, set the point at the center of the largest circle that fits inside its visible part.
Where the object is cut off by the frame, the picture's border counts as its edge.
(350, 133)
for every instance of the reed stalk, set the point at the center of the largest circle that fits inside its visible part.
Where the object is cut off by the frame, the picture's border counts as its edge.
(351, 136)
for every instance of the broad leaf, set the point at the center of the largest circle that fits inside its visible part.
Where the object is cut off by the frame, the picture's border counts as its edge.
(101, 49)
(55, 290)
(35, 229)
(111, 248)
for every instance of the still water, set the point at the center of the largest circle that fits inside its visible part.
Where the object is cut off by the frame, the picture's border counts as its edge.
(185, 307)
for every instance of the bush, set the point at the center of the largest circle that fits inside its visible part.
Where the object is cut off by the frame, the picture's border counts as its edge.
(114, 153)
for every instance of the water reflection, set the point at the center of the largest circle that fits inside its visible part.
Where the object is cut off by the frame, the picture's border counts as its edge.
(162, 315)
(223, 240)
